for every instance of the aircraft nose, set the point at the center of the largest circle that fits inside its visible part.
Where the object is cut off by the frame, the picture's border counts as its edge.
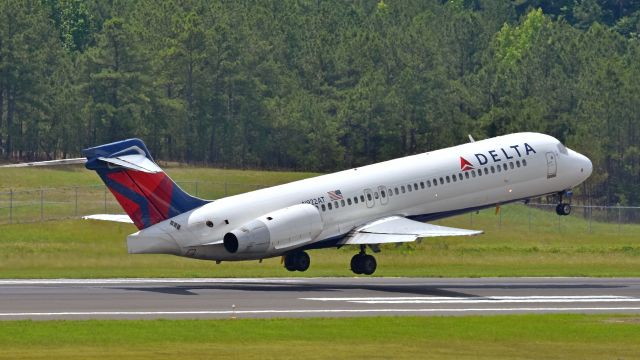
(586, 167)
(581, 164)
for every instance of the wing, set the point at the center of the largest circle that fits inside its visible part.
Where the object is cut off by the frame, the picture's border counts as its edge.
(396, 229)
(110, 217)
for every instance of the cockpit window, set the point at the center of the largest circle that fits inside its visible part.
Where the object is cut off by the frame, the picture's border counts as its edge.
(562, 149)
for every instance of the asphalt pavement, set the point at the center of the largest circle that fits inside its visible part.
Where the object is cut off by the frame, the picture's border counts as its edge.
(311, 297)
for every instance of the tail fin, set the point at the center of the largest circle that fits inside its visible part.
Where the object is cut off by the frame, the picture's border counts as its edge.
(143, 190)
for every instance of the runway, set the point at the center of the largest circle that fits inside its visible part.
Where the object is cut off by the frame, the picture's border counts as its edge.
(311, 297)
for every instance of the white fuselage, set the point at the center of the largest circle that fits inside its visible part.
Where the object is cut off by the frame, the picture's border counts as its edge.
(424, 186)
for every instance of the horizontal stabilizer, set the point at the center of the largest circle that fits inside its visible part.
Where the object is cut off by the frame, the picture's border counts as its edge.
(396, 229)
(48, 163)
(110, 217)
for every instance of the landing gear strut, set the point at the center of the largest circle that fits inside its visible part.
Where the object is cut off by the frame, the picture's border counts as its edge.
(362, 263)
(563, 209)
(297, 261)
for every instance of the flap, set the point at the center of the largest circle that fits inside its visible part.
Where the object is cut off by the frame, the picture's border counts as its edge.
(395, 229)
(370, 239)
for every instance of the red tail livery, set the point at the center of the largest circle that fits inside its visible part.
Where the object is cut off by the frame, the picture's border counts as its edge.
(143, 190)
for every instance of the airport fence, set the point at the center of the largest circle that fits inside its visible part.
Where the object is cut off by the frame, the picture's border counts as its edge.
(37, 205)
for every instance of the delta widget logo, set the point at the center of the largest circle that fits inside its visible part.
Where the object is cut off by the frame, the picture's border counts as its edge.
(465, 165)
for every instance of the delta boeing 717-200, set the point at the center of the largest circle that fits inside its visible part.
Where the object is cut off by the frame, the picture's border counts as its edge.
(387, 202)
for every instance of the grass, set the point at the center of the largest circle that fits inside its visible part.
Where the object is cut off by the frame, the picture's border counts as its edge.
(92, 249)
(521, 241)
(556, 336)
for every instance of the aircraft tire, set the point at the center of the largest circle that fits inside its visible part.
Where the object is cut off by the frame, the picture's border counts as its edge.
(289, 262)
(368, 264)
(563, 209)
(302, 261)
(356, 264)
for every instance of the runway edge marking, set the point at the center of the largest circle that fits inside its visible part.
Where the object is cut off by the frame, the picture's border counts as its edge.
(303, 311)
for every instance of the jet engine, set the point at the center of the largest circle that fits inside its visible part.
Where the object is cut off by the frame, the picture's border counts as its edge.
(276, 231)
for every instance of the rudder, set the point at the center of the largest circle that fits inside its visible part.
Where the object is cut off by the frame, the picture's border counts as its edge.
(143, 190)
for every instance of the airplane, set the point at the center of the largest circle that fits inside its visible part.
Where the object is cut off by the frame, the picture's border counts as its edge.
(386, 202)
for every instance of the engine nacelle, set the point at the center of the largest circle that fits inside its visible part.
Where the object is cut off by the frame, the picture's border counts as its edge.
(276, 231)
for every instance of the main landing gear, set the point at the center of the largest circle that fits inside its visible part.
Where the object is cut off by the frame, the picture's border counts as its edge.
(563, 209)
(297, 261)
(362, 263)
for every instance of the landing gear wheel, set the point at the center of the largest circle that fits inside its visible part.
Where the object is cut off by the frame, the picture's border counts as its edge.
(563, 209)
(356, 262)
(368, 264)
(288, 263)
(302, 261)
(363, 264)
(298, 261)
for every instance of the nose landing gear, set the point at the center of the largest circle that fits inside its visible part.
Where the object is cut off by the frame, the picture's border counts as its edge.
(564, 209)
(362, 263)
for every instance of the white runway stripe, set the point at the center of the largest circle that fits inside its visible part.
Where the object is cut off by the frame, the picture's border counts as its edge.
(400, 298)
(481, 299)
(307, 311)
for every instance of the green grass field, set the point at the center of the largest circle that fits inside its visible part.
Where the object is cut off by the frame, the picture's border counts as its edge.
(521, 241)
(88, 249)
(470, 337)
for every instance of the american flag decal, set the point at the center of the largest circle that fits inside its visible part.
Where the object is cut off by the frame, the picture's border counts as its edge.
(335, 195)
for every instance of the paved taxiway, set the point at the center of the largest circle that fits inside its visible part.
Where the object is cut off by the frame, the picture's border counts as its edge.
(313, 297)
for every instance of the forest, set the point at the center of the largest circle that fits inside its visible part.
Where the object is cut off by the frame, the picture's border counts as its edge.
(322, 84)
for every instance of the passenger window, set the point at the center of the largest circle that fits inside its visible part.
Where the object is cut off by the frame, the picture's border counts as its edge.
(441, 181)
(499, 168)
(421, 184)
(355, 200)
(361, 198)
(466, 174)
(428, 183)
(329, 205)
(375, 195)
(402, 188)
(460, 176)
(369, 197)
(504, 167)
(454, 178)
(518, 163)
(493, 169)
(342, 203)
(511, 165)
(473, 173)
(397, 192)
(486, 171)
(383, 194)
(435, 182)
(349, 201)
(524, 162)
(335, 204)
(479, 172)
(409, 187)
(324, 208)
(448, 179)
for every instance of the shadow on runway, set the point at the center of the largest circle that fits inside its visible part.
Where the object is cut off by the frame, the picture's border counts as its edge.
(420, 290)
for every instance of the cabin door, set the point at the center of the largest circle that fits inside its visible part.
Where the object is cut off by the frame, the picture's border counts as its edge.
(552, 165)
